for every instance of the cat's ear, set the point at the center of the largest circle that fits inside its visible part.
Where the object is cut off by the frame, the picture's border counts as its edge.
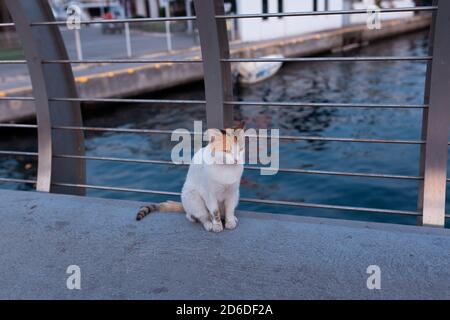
(240, 126)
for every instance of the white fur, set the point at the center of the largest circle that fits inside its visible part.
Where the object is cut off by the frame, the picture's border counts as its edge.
(211, 190)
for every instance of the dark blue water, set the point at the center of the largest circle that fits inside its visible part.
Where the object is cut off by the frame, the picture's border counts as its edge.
(375, 82)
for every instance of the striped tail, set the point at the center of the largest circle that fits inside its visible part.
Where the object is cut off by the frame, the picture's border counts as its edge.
(168, 206)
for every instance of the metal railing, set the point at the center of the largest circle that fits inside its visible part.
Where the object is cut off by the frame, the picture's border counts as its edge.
(61, 132)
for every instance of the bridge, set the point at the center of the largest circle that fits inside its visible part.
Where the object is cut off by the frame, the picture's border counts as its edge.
(268, 256)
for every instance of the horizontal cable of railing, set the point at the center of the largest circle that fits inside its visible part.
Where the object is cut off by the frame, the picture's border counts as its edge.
(252, 168)
(162, 61)
(121, 189)
(168, 61)
(152, 131)
(118, 100)
(233, 16)
(326, 105)
(241, 103)
(332, 59)
(251, 200)
(18, 153)
(248, 103)
(11, 180)
(13, 61)
(331, 207)
(18, 126)
(322, 13)
(281, 137)
(107, 21)
(17, 99)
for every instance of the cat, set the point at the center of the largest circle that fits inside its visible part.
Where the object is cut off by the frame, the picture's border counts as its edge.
(210, 193)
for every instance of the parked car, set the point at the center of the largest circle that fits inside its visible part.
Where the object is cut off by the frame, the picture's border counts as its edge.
(113, 13)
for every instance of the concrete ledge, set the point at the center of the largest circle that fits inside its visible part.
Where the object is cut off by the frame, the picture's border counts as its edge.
(167, 257)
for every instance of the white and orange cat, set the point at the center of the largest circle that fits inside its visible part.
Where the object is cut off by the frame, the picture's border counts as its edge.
(211, 191)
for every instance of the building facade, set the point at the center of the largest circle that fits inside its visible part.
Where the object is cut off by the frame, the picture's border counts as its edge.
(276, 27)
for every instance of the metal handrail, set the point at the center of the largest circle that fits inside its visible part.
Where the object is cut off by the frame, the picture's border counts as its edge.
(13, 61)
(281, 137)
(12, 98)
(118, 100)
(11, 180)
(18, 153)
(241, 103)
(231, 16)
(330, 59)
(18, 126)
(323, 13)
(129, 20)
(250, 168)
(327, 104)
(169, 61)
(162, 61)
(250, 200)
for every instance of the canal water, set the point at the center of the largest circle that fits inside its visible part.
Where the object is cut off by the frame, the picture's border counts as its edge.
(330, 82)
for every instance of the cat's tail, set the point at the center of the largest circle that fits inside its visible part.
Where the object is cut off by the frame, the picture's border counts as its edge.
(168, 206)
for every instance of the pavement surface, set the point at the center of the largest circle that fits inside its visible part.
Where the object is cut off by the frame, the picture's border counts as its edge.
(96, 45)
(166, 257)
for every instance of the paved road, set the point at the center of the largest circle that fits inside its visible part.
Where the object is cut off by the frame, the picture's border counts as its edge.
(96, 45)
(166, 257)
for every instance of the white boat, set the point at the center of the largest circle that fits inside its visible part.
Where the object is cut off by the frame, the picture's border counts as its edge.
(253, 72)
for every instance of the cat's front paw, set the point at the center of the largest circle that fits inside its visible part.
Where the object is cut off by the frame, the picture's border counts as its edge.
(231, 223)
(217, 227)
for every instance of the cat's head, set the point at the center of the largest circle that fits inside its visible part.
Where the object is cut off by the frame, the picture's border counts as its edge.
(227, 146)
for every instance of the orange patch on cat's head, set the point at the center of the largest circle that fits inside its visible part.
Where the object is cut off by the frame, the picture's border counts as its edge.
(223, 140)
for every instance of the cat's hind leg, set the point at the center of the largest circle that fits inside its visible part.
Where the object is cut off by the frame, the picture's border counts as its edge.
(196, 210)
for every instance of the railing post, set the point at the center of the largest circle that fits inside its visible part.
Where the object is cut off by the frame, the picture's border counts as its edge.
(436, 121)
(50, 80)
(217, 73)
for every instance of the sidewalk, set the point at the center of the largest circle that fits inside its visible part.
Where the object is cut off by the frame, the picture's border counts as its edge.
(166, 257)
